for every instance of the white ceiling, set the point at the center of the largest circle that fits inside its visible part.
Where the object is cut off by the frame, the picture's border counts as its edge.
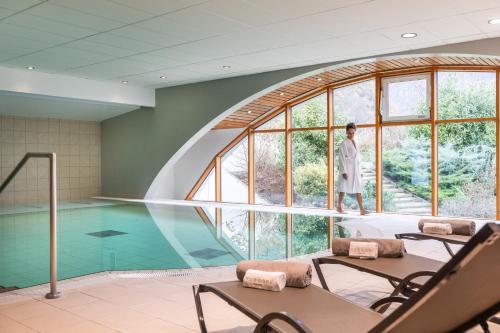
(22, 105)
(190, 40)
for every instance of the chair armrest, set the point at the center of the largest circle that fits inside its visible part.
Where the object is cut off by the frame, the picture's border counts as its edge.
(386, 300)
(263, 324)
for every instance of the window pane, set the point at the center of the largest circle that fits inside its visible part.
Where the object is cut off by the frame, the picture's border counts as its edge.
(235, 230)
(269, 168)
(355, 103)
(270, 236)
(311, 113)
(234, 173)
(206, 192)
(466, 95)
(406, 163)
(365, 141)
(309, 235)
(309, 168)
(406, 97)
(466, 161)
(278, 122)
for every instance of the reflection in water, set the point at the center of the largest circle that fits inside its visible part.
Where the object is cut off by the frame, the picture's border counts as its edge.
(151, 237)
(235, 230)
(265, 235)
(309, 234)
(270, 236)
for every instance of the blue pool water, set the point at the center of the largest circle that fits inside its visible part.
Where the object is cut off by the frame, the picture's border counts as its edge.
(136, 237)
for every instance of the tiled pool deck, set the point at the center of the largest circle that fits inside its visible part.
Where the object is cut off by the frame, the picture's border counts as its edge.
(155, 302)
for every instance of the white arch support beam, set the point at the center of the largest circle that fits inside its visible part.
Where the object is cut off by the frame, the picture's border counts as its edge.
(62, 86)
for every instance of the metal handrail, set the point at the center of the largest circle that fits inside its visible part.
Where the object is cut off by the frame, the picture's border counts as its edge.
(53, 213)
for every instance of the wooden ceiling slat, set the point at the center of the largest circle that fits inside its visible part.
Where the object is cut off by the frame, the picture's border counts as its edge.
(489, 62)
(272, 101)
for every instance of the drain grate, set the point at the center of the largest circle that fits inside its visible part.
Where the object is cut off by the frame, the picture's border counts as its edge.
(106, 233)
(161, 274)
(208, 253)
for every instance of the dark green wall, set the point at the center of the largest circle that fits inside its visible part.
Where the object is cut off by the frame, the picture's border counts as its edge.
(136, 145)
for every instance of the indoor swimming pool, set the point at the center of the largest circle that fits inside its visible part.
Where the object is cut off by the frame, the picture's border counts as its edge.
(123, 236)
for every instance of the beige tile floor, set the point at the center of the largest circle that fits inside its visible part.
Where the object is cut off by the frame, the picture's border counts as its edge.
(148, 303)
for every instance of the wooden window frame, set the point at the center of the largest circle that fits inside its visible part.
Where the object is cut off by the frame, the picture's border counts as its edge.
(378, 125)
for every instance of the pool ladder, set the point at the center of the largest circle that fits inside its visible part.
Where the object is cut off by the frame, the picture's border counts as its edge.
(53, 213)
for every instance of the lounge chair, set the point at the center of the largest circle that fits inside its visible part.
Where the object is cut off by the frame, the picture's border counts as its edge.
(445, 239)
(461, 295)
(405, 274)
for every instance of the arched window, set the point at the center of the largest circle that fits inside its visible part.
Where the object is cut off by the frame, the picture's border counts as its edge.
(432, 150)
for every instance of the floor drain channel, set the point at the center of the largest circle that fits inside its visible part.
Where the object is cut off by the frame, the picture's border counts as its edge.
(148, 275)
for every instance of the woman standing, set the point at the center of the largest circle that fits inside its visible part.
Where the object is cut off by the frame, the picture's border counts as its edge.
(350, 170)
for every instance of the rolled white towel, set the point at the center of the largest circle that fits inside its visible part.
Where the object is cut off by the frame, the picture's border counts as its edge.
(363, 250)
(274, 281)
(437, 228)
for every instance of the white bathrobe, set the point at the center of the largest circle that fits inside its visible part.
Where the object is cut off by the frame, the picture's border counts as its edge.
(349, 163)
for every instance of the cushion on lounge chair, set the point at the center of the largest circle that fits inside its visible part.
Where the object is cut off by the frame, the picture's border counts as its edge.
(363, 250)
(273, 281)
(388, 248)
(298, 274)
(437, 228)
(458, 226)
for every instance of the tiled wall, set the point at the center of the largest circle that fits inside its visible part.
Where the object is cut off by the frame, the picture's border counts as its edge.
(78, 148)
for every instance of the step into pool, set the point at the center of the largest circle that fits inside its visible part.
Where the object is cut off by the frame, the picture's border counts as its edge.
(154, 237)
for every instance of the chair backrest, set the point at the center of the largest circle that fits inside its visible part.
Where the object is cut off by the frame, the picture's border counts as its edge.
(461, 294)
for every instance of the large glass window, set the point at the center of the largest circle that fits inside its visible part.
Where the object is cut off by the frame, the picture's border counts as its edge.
(206, 192)
(466, 162)
(406, 97)
(365, 142)
(354, 103)
(466, 139)
(270, 236)
(309, 168)
(269, 168)
(234, 173)
(466, 95)
(406, 163)
(309, 234)
(277, 122)
(311, 113)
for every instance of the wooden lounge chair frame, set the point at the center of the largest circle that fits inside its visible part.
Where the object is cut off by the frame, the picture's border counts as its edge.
(432, 295)
(446, 240)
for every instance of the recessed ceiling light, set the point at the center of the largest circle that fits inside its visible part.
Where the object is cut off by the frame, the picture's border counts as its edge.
(249, 112)
(362, 67)
(163, 77)
(226, 67)
(282, 94)
(30, 68)
(319, 79)
(124, 82)
(475, 60)
(409, 35)
(494, 21)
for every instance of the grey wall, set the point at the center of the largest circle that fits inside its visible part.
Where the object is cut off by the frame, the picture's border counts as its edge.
(175, 181)
(136, 145)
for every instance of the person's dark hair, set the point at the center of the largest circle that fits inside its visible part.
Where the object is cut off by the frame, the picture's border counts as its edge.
(349, 126)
